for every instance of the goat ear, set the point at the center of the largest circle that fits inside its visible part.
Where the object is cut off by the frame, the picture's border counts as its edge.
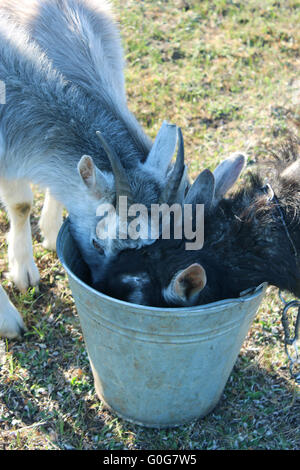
(92, 177)
(87, 172)
(227, 173)
(163, 148)
(188, 283)
(292, 172)
(202, 191)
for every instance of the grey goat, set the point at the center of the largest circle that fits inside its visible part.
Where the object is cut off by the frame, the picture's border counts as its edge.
(62, 65)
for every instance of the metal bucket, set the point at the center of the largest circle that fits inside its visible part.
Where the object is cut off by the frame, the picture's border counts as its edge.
(158, 367)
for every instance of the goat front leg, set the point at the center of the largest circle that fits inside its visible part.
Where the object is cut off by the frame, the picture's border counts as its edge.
(17, 197)
(11, 323)
(50, 221)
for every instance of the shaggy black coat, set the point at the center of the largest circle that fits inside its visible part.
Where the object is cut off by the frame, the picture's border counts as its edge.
(250, 238)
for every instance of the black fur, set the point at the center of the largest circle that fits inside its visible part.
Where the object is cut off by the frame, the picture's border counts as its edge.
(246, 244)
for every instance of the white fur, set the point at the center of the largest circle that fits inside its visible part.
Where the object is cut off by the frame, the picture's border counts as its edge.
(11, 323)
(45, 44)
(107, 57)
(50, 221)
(137, 284)
(17, 197)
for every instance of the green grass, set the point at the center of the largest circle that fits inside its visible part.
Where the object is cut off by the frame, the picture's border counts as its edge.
(227, 72)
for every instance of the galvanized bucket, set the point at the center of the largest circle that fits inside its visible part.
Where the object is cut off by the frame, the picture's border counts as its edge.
(158, 367)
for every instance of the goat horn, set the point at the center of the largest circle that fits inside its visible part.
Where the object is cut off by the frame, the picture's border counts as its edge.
(121, 180)
(169, 193)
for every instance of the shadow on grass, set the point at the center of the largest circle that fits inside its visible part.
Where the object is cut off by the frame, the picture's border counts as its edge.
(48, 380)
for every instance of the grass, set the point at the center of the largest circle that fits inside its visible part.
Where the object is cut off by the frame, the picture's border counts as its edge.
(227, 72)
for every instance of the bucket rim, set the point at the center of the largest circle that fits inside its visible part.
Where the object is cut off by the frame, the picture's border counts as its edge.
(250, 295)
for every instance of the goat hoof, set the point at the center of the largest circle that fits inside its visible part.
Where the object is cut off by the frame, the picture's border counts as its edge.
(11, 323)
(24, 277)
(49, 244)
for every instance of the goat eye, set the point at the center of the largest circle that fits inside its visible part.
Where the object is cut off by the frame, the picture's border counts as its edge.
(98, 247)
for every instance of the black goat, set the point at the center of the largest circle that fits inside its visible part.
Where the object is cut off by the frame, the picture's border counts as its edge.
(251, 237)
